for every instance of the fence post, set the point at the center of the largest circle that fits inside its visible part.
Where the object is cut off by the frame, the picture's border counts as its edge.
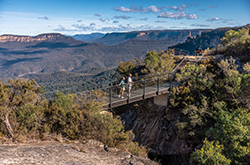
(144, 89)
(158, 84)
(170, 81)
(110, 95)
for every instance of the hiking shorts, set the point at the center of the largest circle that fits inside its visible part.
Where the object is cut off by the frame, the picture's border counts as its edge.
(129, 87)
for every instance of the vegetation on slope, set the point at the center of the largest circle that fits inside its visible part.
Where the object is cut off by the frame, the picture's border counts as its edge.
(25, 115)
(213, 102)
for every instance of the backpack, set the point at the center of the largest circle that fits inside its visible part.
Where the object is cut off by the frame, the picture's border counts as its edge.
(126, 80)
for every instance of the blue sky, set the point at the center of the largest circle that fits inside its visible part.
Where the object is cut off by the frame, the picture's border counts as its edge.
(33, 17)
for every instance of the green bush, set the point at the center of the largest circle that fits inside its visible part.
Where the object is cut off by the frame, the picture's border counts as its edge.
(209, 154)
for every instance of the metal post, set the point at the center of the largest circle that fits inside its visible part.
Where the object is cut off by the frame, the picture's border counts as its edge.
(110, 95)
(171, 81)
(158, 85)
(144, 89)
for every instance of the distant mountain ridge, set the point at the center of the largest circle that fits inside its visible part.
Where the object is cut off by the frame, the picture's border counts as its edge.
(88, 37)
(117, 38)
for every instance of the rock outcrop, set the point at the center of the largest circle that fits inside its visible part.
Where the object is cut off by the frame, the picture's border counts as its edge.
(207, 39)
(154, 128)
(89, 153)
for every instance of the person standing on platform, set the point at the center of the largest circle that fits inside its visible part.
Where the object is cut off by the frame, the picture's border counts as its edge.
(129, 84)
(122, 85)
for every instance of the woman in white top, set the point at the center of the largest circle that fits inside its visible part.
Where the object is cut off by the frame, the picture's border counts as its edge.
(129, 84)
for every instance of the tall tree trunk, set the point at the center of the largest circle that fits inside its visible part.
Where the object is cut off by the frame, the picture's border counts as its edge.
(8, 126)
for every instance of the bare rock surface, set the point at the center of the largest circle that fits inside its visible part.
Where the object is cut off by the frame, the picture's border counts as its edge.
(51, 152)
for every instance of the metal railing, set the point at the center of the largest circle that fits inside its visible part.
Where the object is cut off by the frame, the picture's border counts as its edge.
(143, 87)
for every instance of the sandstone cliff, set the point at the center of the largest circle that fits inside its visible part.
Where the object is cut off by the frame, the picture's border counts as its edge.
(41, 37)
(154, 128)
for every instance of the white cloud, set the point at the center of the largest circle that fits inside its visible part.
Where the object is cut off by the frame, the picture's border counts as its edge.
(134, 9)
(124, 9)
(122, 17)
(177, 15)
(214, 19)
(181, 8)
(45, 17)
(154, 9)
(115, 21)
(92, 24)
(199, 25)
(102, 20)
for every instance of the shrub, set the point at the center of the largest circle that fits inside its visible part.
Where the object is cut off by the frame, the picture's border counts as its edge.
(210, 153)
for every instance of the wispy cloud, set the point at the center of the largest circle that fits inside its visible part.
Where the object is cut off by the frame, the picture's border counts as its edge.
(175, 27)
(1, 17)
(134, 9)
(227, 20)
(122, 17)
(63, 29)
(177, 15)
(160, 21)
(214, 19)
(233, 23)
(176, 8)
(98, 15)
(79, 20)
(85, 28)
(124, 9)
(199, 25)
(102, 20)
(115, 21)
(92, 24)
(45, 18)
(143, 19)
(212, 6)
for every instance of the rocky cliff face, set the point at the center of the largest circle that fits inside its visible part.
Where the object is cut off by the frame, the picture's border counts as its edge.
(41, 37)
(154, 128)
(207, 39)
